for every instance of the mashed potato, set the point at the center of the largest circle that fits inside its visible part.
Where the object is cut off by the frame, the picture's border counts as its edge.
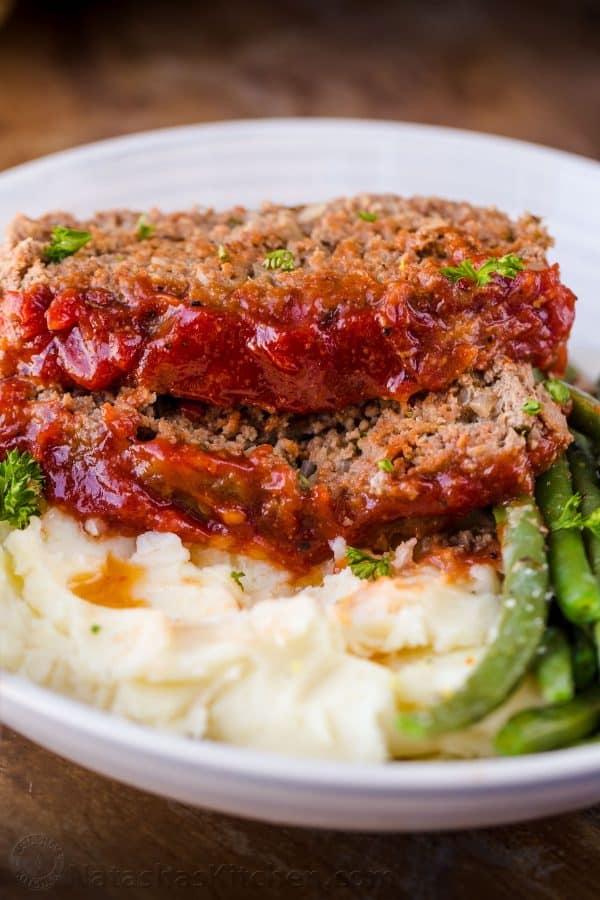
(175, 642)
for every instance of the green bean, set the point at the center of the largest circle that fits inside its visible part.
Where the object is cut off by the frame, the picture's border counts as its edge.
(591, 739)
(576, 588)
(584, 659)
(520, 629)
(585, 414)
(554, 669)
(550, 727)
(583, 469)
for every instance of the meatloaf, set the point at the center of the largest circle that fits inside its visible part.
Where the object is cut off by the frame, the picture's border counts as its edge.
(303, 309)
(267, 382)
(284, 485)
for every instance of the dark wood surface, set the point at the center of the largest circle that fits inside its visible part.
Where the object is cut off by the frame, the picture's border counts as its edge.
(75, 72)
(113, 842)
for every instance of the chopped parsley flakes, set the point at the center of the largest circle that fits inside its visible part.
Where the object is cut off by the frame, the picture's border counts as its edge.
(303, 481)
(559, 391)
(280, 259)
(237, 577)
(65, 242)
(507, 266)
(143, 229)
(532, 406)
(572, 517)
(365, 566)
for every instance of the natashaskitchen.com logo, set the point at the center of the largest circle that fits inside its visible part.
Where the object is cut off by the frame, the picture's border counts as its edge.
(37, 861)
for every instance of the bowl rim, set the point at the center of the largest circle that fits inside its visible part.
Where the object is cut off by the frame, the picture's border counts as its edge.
(406, 776)
(172, 134)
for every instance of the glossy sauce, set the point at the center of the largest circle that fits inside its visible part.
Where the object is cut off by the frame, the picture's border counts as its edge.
(324, 342)
(251, 503)
(321, 342)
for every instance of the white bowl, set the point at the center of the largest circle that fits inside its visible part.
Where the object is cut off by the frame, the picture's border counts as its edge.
(298, 160)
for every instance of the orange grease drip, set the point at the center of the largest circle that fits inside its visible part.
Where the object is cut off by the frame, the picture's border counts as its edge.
(112, 586)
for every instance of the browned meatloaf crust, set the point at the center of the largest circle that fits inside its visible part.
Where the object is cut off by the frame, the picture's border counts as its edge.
(364, 313)
(180, 254)
(284, 485)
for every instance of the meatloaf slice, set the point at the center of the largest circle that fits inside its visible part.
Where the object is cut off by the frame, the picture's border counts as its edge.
(300, 309)
(285, 485)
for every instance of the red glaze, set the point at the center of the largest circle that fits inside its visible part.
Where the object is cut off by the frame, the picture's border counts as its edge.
(324, 342)
(251, 503)
(97, 466)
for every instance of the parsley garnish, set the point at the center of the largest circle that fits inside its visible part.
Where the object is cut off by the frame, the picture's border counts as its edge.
(143, 229)
(222, 253)
(532, 407)
(237, 577)
(303, 481)
(592, 523)
(280, 259)
(21, 483)
(95, 629)
(65, 242)
(386, 465)
(559, 391)
(365, 566)
(508, 266)
(366, 216)
(572, 517)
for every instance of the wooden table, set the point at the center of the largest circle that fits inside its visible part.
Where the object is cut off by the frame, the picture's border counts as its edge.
(71, 73)
(75, 73)
(113, 842)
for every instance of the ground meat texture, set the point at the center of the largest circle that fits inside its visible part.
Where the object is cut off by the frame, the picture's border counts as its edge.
(365, 313)
(282, 486)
